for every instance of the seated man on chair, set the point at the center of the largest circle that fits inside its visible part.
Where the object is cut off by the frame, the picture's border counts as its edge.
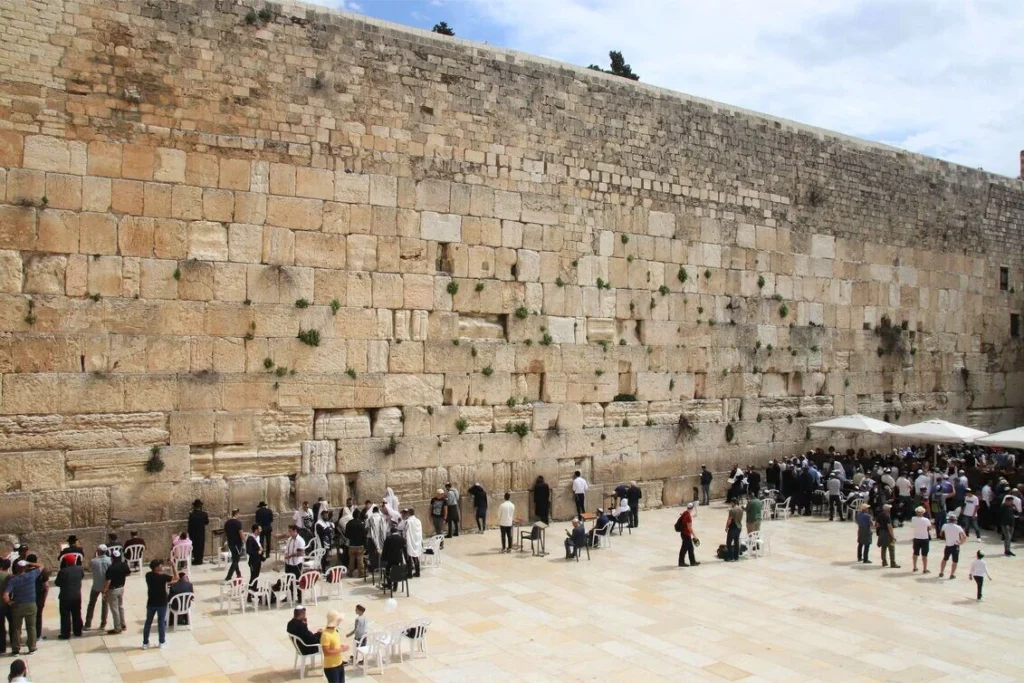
(310, 642)
(600, 521)
(575, 538)
(182, 585)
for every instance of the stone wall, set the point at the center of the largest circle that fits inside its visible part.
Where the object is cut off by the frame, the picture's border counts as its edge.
(513, 267)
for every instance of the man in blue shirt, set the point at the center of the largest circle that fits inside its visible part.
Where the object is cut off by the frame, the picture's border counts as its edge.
(20, 598)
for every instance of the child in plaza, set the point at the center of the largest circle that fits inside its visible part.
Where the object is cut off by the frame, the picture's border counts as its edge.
(979, 572)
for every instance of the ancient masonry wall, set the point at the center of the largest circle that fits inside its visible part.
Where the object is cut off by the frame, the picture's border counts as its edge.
(511, 267)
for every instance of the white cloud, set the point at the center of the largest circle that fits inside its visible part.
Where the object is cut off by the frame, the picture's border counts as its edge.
(941, 77)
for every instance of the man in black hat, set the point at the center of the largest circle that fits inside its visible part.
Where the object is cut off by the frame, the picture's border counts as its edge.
(265, 518)
(73, 547)
(197, 522)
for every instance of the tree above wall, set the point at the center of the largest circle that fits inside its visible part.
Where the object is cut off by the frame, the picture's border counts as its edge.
(618, 67)
(443, 28)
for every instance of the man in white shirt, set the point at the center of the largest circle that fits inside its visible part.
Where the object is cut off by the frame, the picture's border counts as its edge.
(506, 518)
(969, 517)
(579, 491)
(986, 512)
(303, 517)
(835, 500)
(904, 492)
(294, 554)
(954, 536)
(921, 527)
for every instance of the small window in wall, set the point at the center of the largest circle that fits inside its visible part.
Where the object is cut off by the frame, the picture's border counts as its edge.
(1004, 278)
(1015, 325)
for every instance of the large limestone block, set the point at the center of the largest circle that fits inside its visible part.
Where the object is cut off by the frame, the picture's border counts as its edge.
(507, 205)
(35, 432)
(245, 493)
(319, 457)
(32, 470)
(388, 422)
(660, 224)
(207, 241)
(625, 414)
(351, 188)
(295, 213)
(423, 390)
(238, 460)
(124, 465)
(600, 330)
(342, 424)
(440, 227)
(284, 426)
(616, 468)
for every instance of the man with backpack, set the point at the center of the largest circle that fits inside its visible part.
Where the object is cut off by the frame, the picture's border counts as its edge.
(684, 526)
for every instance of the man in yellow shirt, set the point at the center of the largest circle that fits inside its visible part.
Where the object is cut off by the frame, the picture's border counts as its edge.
(330, 645)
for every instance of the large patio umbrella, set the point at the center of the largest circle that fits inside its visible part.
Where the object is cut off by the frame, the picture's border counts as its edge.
(855, 423)
(1011, 438)
(939, 431)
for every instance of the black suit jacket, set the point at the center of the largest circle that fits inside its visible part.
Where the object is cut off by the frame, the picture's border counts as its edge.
(310, 640)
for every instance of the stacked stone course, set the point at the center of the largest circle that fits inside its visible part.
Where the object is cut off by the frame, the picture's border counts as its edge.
(481, 240)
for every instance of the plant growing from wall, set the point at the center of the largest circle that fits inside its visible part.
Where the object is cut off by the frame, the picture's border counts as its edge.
(351, 372)
(707, 273)
(302, 303)
(488, 371)
(461, 425)
(760, 281)
(730, 433)
(281, 371)
(392, 446)
(453, 288)
(522, 312)
(479, 287)
(335, 306)
(546, 339)
(559, 281)
(783, 311)
(663, 290)
(155, 463)
(682, 275)
(684, 427)
(890, 338)
(624, 397)
(309, 337)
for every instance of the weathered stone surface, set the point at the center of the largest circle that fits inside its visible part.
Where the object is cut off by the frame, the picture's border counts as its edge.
(461, 275)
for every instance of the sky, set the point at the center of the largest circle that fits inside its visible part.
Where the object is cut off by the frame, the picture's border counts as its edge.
(940, 77)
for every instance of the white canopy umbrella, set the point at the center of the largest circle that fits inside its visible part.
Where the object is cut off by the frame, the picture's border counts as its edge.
(939, 431)
(1011, 438)
(855, 423)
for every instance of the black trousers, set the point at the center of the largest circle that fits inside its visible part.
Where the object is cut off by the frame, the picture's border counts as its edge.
(506, 534)
(453, 521)
(686, 549)
(255, 565)
(732, 542)
(634, 515)
(413, 562)
(835, 504)
(236, 555)
(265, 540)
(198, 547)
(296, 571)
(40, 603)
(5, 617)
(862, 551)
(580, 506)
(70, 616)
(481, 518)
(979, 580)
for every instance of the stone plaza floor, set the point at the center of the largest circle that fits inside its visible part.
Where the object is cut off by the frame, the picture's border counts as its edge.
(806, 612)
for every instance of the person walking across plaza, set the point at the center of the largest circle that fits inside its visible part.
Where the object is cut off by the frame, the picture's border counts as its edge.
(579, 492)
(705, 485)
(979, 571)
(254, 557)
(98, 566)
(156, 602)
(235, 539)
(954, 535)
(1007, 516)
(886, 536)
(753, 510)
(113, 591)
(265, 518)
(333, 650)
(733, 525)
(921, 527)
(864, 528)
(506, 518)
(969, 516)
(684, 525)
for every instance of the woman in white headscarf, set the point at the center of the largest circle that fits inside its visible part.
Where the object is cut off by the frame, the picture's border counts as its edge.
(391, 500)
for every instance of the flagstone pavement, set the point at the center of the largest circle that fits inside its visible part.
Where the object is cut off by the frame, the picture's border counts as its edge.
(806, 612)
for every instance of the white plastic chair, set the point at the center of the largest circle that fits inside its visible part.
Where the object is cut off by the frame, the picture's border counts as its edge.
(287, 591)
(433, 544)
(604, 538)
(767, 509)
(235, 592)
(181, 555)
(313, 559)
(418, 640)
(377, 643)
(302, 660)
(782, 509)
(133, 556)
(264, 592)
(309, 584)
(180, 604)
(755, 546)
(334, 578)
(396, 636)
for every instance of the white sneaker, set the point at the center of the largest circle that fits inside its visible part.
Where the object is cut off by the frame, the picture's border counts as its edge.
(162, 645)
(145, 646)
